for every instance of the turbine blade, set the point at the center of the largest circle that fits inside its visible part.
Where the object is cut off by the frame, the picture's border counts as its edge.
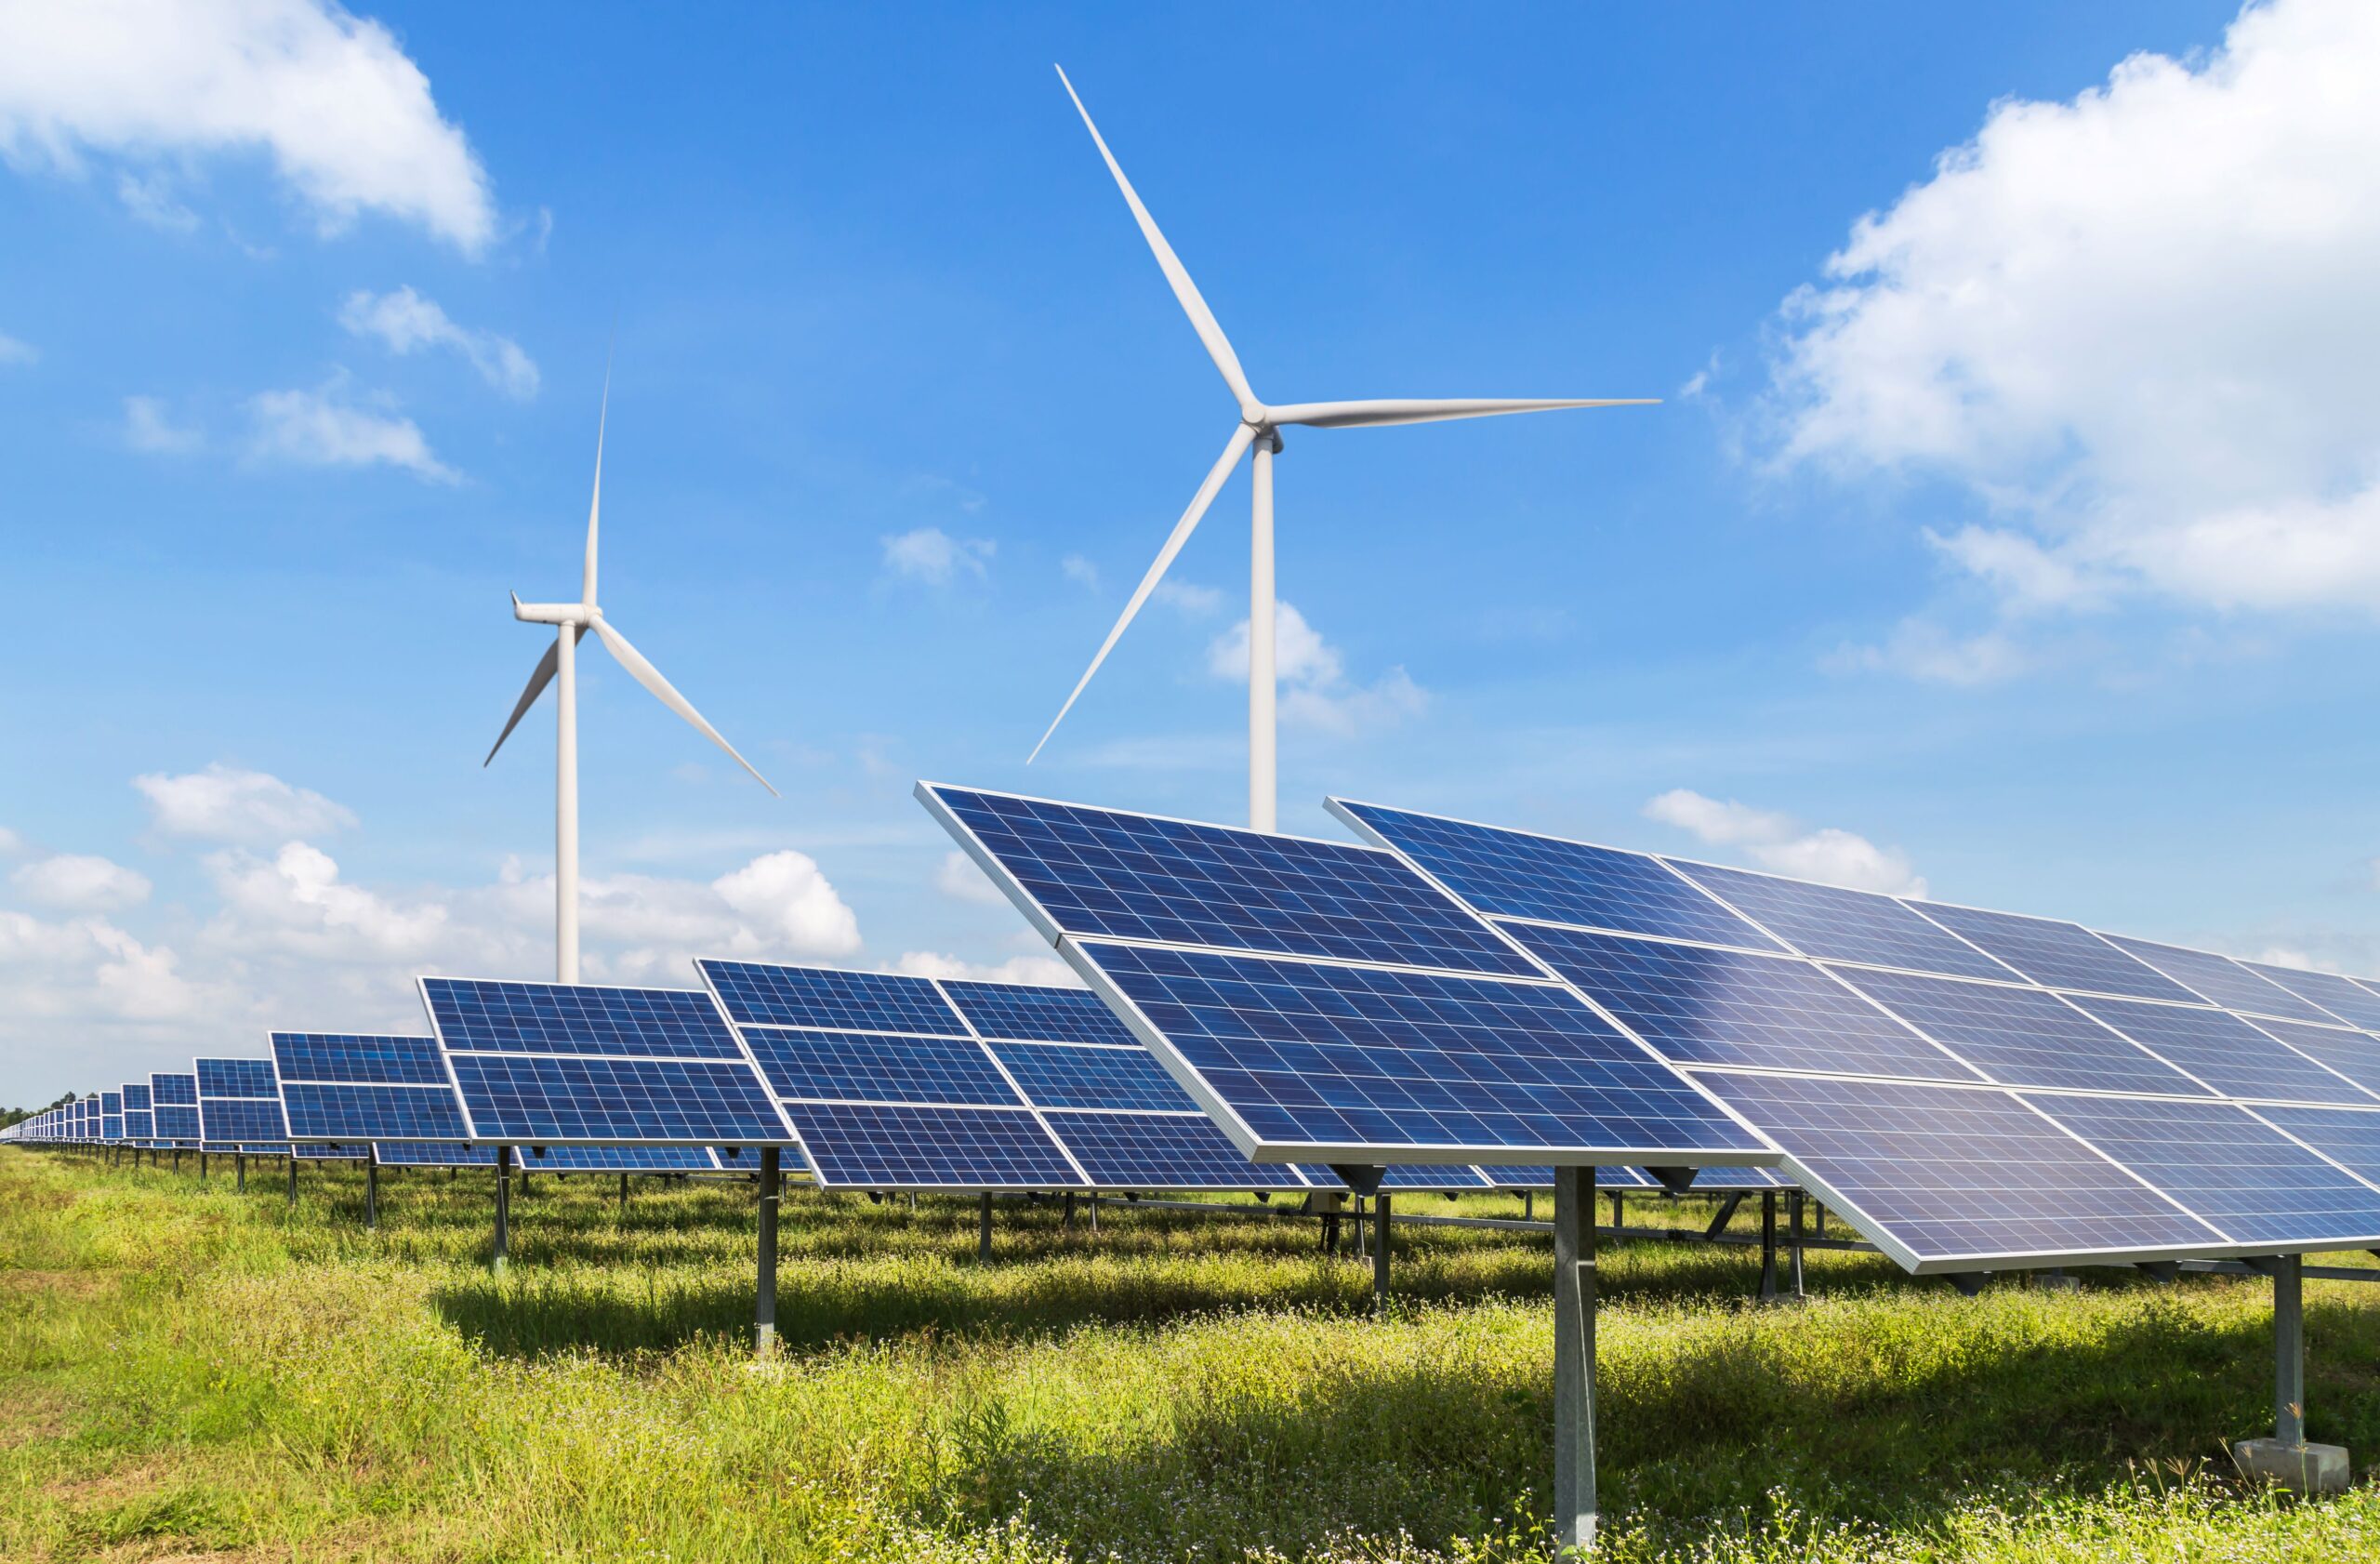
(595, 505)
(1436, 409)
(540, 677)
(1193, 304)
(1232, 450)
(650, 677)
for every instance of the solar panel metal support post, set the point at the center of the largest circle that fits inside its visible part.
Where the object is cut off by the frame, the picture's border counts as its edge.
(2286, 1459)
(984, 1227)
(1070, 1211)
(293, 1178)
(1574, 1360)
(240, 1168)
(764, 1315)
(1793, 1238)
(1380, 1253)
(624, 1194)
(1768, 1246)
(503, 1208)
(371, 1193)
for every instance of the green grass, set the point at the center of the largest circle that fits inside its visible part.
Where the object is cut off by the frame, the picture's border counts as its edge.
(190, 1374)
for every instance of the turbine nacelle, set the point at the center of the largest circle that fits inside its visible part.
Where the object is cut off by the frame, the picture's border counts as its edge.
(554, 613)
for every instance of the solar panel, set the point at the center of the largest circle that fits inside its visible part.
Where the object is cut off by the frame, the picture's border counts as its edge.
(2222, 980)
(1320, 1061)
(758, 993)
(2055, 954)
(1508, 1175)
(135, 1096)
(1520, 875)
(2352, 1054)
(2225, 1051)
(1100, 872)
(1426, 1178)
(1031, 1013)
(236, 1078)
(239, 1106)
(2226, 1166)
(551, 1064)
(894, 1147)
(112, 1116)
(174, 1101)
(633, 1160)
(348, 1087)
(2348, 1136)
(1843, 925)
(173, 1091)
(812, 1066)
(2342, 997)
(1945, 1177)
(1084, 1076)
(2020, 1037)
(433, 1154)
(1696, 1005)
(1163, 1151)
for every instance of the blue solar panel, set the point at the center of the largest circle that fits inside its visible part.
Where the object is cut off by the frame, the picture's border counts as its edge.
(628, 1158)
(1038, 1014)
(576, 1018)
(1354, 1063)
(527, 1098)
(173, 1091)
(237, 1078)
(138, 1125)
(336, 1111)
(2020, 1037)
(326, 1056)
(1949, 1173)
(2225, 1051)
(2347, 1137)
(433, 1154)
(135, 1096)
(862, 1146)
(1423, 1178)
(859, 1067)
(1071, 1075)
(1163, 1151)
(175, 1122)
(2342, 997)
(1843, 925)
(1094, 871)
(2222, 980)
(239, 1121)
(759, 994)
(1522, 1176)
(2224, 1166)
(2055, 954)
(2353, 1055)
(112, 1104)
(1724, 1007)
(1520, 875)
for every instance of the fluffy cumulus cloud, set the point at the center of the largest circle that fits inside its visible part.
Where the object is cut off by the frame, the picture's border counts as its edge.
(931, 555)
(80, 882)
(63, 977)
(1047, 970)
(1314, 690)
(330, 100)
(228, 804)
(2137, 327)
(323, 427)
(1779, 843)
(404, 322)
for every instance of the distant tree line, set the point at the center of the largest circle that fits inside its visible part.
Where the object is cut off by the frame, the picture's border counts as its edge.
(18, 1115)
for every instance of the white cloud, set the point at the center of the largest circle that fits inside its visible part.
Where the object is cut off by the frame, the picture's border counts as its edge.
(958, 876)
(1047, 970)
(931, 555)
(2137, 326)
(1778, 842)
(10, 842)
(147, 427)
(13, 351)
(1080, 571)
(150, 199)
(84, 970)
(225, 803)
(406, 323)
(346, 118)
(294, 904)
(80, 882)
(1190, 597)
(1921, 648)
(319, 429)
(1314, 690)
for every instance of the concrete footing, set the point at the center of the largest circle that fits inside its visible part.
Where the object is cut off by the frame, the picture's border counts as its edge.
(2308, 1469)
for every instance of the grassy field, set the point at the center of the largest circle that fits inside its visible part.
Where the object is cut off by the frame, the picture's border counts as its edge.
(190, 1374)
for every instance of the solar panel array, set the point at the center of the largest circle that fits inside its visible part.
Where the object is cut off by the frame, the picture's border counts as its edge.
(239, 1106)
(174, 1104)
(352, 1090)
(140, 1127)
(1970, 1087)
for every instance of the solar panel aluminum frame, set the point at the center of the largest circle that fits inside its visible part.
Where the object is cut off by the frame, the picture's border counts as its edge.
(1241, 1135)
(744, 1055)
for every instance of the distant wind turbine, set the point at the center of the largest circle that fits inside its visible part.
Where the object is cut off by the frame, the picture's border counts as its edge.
(559, 666)
(1260, 426)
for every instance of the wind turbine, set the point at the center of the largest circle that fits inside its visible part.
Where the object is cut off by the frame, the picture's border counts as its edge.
(558, 667)
(1259, 429)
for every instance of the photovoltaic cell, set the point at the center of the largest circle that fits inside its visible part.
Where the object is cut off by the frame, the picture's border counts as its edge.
(173, 1091)
(174, 1122)
(1830, 922)
(337, 1112)
(2055, 954)
(344, 1056)
(858, 1067)
(759, 994)
(1519, 875)
(2020, 1037)
(2225, 1051)
(2222, 980)
(2352, 1054)
(237, 1078)
(2347, 1137)
(2343, 996)
(1700, 1006)
(1163, 1151)
(1098, 872)
(1077, 1076)
(135, 1096)
(1950, 1174)
(1033, 1014)
(239, 1121)
(1338, 1062)
(537, 1098)
(576, 1018)
(896, 1147)
(2224, 1166)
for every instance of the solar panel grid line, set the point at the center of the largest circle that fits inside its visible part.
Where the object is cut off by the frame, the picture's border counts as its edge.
(829, 998)
(2062, 954)
(1014, 1085)
(2221, 981)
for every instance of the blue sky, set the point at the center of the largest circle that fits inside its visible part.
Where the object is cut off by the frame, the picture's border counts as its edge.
(2029, 550)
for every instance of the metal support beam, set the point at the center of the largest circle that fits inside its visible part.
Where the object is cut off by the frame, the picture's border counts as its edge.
(371, 1194)
(983, 1228)
(764, 1315)
(1724, 1214)
(1574, 1360)
(1767, 1246)
(623, 1197)
(1618, 1218)
(1070, 1211)
(2289, 1350)
(1380, 1254)
(1793, 1238)
(293, 1178)
(503, 1208)
(1095, 1211)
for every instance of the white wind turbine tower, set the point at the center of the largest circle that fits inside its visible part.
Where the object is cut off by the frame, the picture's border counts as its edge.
(1260, 426)
(559, 666)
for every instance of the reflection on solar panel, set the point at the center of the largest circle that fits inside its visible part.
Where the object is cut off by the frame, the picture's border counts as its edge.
(2225, 1051)
(1329, 1063)
(2020, 1037)
(1518, 875)
(1943, 1174)
(2056, 954)
(2342, 997)
(2352, 1054)
(1722, 1007)
(1097, 871)
(2222, 980)
(239, 1106)
(754, 993)
(2226, 1166)
(346, 1087)
(1843, 925)
(551, 1064)
(2349, 1137)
